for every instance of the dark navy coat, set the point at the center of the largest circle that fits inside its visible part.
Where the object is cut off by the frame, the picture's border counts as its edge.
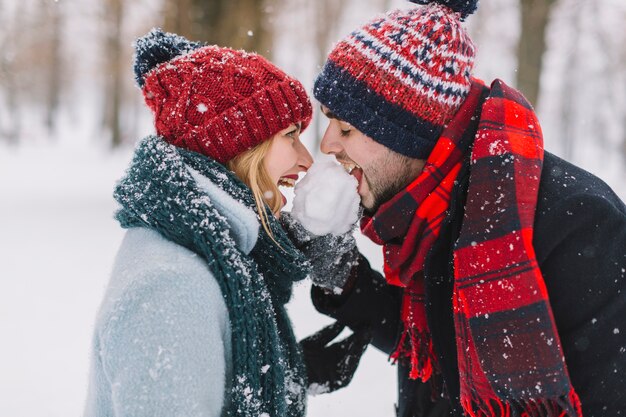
(580, 244)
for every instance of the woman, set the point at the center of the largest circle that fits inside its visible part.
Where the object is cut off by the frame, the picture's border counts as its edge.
(193, 321)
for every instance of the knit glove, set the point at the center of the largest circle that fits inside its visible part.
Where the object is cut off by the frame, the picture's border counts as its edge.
(330, 367)
(332, 257)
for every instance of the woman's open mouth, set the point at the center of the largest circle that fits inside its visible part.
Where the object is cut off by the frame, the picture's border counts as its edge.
(287, 181)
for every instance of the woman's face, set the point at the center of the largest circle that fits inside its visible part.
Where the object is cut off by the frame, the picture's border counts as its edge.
(287, 157)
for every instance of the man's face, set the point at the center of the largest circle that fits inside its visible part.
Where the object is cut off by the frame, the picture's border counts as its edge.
(381, 172)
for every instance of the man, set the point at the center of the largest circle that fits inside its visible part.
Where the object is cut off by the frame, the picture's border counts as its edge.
(504, 291)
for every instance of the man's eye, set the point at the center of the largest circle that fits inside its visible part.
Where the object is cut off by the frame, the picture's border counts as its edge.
(345, 128)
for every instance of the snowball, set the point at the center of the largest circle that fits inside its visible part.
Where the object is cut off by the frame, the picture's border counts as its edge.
(326, 199)
(317, 389)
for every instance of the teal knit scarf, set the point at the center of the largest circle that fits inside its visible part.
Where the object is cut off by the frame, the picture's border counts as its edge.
(159, 193)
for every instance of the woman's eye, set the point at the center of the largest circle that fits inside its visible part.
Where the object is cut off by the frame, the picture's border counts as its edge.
(345, 132)
(295, 133)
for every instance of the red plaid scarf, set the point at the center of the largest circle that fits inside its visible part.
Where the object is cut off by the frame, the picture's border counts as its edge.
(509, 352)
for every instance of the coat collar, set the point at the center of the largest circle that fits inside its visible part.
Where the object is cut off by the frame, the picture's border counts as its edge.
(241, 219)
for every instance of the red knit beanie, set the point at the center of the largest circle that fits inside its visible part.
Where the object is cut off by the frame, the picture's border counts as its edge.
(215, 101)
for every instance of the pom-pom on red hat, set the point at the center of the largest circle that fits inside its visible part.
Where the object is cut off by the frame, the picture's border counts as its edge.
(212, 100)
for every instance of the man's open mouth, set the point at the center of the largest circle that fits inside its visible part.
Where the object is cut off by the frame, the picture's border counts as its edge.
(355, 170)
(350, 166)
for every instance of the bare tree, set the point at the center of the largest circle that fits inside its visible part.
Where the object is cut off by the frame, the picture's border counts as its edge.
(113, 94)
(535, 15)
(240, 24)
(53, 63)
(177, 17)
(10, 119)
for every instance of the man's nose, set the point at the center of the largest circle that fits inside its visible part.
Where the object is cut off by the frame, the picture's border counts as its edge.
(329, 144)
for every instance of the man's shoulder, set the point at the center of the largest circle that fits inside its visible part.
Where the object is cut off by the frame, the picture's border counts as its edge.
(561, 179)
(574, 205)
(564, 183)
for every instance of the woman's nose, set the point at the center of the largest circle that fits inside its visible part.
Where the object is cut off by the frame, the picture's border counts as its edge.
(305, 160)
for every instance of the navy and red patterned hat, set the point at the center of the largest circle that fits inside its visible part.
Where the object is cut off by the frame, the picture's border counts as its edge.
(402, 77)
(212, 100)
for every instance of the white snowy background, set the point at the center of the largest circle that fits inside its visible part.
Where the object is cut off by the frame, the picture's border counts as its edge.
(58, 237)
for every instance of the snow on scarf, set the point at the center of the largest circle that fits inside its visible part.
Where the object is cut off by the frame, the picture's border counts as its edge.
(159, 193)
(510, 357)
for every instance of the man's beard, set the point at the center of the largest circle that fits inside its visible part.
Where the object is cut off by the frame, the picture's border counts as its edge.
(385, 185)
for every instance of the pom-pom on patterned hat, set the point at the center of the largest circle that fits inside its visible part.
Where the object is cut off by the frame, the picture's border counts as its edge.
(402, 77)
(212, 100)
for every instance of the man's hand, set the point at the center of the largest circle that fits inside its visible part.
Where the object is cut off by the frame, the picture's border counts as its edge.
(330, 367)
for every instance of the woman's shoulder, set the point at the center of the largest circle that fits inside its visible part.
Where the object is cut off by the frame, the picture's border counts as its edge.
(145, 252)
(148, 266)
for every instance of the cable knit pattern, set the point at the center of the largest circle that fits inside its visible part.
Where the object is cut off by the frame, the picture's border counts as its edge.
(218, 101)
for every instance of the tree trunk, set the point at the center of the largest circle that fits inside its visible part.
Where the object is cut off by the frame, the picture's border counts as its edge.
(177, 17)
(239, 24)
(535, 15)
(11, 121)
(114, 83)
(55, 67)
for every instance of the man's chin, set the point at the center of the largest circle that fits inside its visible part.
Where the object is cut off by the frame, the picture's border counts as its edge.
(372, 204)
(369, 209)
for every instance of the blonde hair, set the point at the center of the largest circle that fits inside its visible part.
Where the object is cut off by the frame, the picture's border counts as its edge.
(249, 167)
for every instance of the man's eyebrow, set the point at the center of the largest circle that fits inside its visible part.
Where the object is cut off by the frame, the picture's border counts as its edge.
(329, 114)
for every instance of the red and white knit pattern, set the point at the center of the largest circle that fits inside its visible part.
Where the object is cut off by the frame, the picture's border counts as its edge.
(420, 59)
(221, 102)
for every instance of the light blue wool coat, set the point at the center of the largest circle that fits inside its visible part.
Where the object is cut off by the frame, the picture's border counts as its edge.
(162, 340)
